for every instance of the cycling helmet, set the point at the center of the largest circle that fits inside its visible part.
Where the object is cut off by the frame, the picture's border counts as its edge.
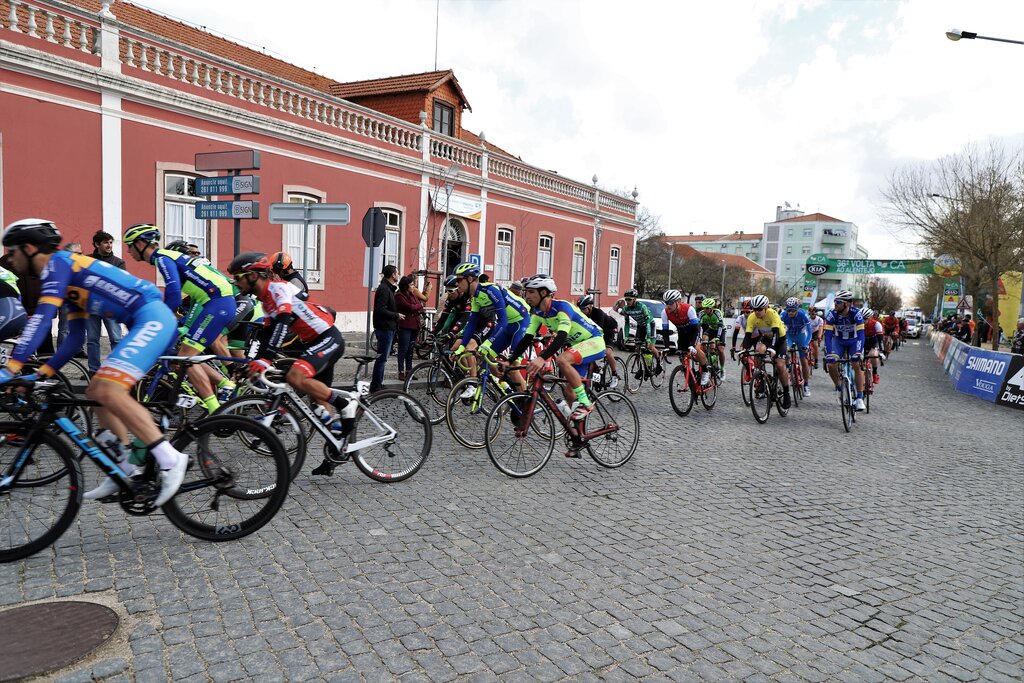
(515, 286)
(792, 302)
(746, 306)
(280, 261)
(709, 303)
(844, 295)
(540, 281)
(867, 313)
(451, 281)
(670, 296)
(467, 269)
(142, 231)
(38, 231)
(585, 302)
(759, 301)
(178, 245)
(631, 294)
(249, 262)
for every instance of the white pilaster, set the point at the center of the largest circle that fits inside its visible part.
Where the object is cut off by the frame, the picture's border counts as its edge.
(110, 136)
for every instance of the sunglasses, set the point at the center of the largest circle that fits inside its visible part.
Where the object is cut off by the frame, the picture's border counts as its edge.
(239, 276)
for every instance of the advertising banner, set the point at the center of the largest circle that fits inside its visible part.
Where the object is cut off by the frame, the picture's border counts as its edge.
(1009, 300)
(1012, 392)
(458, 205)
(810, 291)
(950, 296)
(983, 373)
(820, 264)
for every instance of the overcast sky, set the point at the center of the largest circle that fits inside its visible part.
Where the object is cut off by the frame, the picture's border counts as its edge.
(716, 111)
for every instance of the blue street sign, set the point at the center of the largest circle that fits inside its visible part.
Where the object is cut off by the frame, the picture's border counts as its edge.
(228, 184)
(242, 209)
(477, 259)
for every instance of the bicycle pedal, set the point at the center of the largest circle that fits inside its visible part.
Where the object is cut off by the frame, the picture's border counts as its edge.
(573, 453)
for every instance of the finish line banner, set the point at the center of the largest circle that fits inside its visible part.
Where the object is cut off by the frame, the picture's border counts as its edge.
(820, 264)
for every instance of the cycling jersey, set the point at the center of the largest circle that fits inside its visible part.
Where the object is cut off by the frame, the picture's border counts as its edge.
(10, 279)
(872, 327)
(279, 298)
(607, 323)
(891, 324)
(585, 340)
(643, 317)
(684, 315)
(817, 325)
(797, 324)
(765, 325)
(844, 333)
(186, 276)
(489, 296)
(713, 324)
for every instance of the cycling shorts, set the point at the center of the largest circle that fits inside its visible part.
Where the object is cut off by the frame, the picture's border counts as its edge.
(687, 337)
(153, 328)
(871, 342)
(213, 317)
(781, 346)
(841, 348)
(320, 357)
(12, 318)
(586, 352)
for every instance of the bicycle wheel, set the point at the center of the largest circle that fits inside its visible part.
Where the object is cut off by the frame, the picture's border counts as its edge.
(710, 394)
(760, 396)
(745, 384)
(634, 372)
(867, 400)
(514, 451)
(406, 420)
(279, 418)
(614, 449)
(467, 417)
(658, 379)
(776, 391)
(680, 393)
(429, 383)
(229, 491)
(39, 506)
(796, 381)
(846, 404)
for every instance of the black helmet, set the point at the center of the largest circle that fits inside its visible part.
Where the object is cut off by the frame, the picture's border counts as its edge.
(178, 245)
(631, 294)
(38, 231)
(585, 301)
(249, 262)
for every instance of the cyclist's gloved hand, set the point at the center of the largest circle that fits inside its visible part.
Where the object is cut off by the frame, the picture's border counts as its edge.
(486, 349)
(459, 351)
(258, 365)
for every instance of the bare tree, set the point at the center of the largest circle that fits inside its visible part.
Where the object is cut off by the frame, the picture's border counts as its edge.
(968, 205)
(882, 295)
(928, 290)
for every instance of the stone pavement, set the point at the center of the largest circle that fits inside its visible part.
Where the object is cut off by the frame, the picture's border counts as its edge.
(725, 550)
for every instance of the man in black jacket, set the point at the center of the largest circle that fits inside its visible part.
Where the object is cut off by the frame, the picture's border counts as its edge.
(385, 322)
(103, 250)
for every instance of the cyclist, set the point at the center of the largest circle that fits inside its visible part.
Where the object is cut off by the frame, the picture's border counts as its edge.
(798, 331)
(766, 328)
(817, 329)
(636, 310)
(609, 326)
(712, 324)
(684, 317)
(283, 267)
(844, 337)
(212, 306)
(94, 287)
(313, 372)
(12, 313)
(891, 325)
(740, 325)
(578, 341)
(510, 312)
(873, 335)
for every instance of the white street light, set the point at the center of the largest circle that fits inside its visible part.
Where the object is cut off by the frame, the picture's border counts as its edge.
(956, 34)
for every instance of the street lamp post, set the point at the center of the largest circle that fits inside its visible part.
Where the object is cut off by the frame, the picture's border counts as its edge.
(956, 34)
(721, 300)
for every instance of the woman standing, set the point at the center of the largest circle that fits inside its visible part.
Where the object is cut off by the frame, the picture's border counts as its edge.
(411, 307)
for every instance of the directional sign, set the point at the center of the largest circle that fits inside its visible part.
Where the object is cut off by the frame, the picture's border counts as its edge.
(308, 213)
(229, 184)
(235, 160)
(477, 259)
(242, 209)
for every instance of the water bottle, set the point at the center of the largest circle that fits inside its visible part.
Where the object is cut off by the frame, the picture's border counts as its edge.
(138, 456)
(563, 407)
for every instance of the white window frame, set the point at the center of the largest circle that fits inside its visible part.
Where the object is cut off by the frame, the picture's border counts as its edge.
(392, 239)
(789, 250)
(504, 243)
(549, 250)
(808, 232)
(579, 267)
(291, 236)
(614, 264)
(163, 170)
(805, 250)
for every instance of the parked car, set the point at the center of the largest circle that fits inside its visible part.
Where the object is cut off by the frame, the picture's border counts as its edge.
(913, 328)
(658, 328)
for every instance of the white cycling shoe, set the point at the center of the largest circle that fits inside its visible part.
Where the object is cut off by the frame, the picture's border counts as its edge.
(107, 487)
(170, 480)
(858, 405)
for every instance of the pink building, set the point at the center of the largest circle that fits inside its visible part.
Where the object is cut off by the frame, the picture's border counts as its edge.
(102, 112)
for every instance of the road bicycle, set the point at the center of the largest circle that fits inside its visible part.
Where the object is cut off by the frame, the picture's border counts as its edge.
(765, 390)
(684, 385)
(389, 441)
(229, 491)
(520, 433)
(747, 365)
(430, 382)
(603, 373)
(869, 383)
(640, 366)
(796, 374)
(846, 393)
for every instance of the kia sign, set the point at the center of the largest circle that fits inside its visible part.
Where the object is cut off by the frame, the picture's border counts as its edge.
(817, 269)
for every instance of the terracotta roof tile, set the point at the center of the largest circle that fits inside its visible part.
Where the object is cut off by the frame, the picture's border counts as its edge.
(685, 251)
(733, 236)
(811, 217)
(422, 82)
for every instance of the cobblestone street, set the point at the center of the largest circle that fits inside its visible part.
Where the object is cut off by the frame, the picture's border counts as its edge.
(725, 550)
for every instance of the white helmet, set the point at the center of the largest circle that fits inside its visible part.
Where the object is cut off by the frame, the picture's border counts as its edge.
(540, 281)
(867, 313)
(844, 295)
(759, 301)
(671, 296)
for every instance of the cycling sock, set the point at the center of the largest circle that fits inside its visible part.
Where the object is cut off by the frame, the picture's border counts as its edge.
(225, 382)
(211, 403)
(581, 396)
(166, 455)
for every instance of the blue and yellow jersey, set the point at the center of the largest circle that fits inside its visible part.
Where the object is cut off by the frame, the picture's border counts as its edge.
(89, 287)
(507, 308)
(190, 277)
(763, 326)
(563, 316)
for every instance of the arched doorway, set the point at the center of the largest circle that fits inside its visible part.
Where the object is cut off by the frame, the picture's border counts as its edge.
(454, 245)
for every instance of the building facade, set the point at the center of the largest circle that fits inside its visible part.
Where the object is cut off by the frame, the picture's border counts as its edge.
(103, 109)
(737, 243)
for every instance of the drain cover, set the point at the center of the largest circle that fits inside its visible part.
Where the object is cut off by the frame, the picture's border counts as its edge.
(45, 637)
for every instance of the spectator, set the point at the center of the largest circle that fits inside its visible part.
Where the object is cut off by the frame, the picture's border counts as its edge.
(385, 322)
(410, 306)
(1017, 345)
(103, 250)
(62, 315)
(423, 295)
(984, 330)
(963, 331)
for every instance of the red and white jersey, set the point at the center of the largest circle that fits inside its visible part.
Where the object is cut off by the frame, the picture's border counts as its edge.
(280, 297)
